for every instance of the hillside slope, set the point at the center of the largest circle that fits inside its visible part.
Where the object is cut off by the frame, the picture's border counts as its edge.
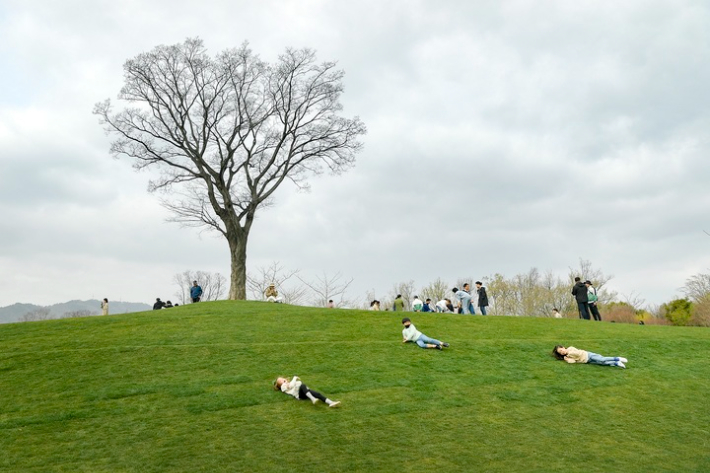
(14, 312)
(189, 389)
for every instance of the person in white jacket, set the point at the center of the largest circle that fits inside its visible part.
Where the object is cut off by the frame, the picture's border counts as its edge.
(411, 334)
(417, 304)
(296, 388)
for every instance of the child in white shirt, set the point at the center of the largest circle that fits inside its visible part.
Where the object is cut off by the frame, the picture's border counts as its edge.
(296, 388)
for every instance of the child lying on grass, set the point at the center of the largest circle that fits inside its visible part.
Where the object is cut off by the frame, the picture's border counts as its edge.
(411, 334)
(575, 355)
(300, 391)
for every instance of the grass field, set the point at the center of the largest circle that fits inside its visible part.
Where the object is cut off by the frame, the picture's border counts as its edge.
(189, 390)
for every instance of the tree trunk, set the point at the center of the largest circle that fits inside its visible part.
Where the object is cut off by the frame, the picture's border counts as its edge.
(238, 252)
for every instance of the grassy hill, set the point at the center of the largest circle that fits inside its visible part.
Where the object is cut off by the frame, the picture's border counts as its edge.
(189, 390)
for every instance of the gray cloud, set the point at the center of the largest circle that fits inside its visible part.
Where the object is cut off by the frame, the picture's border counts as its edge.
(501, 137)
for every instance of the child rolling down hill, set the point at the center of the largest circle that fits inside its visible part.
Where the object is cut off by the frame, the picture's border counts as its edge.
(411, 334)
(300, 391)
(575, 355)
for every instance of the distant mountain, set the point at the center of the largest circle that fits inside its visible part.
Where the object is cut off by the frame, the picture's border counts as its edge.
(13, 313)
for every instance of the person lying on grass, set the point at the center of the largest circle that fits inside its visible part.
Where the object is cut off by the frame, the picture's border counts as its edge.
(575, 355)
(411, 334)
(300, 391)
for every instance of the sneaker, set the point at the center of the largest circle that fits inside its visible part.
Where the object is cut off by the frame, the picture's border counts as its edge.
(620, 364)
(334, 404)
(439, 347)
(622, 359)
(446, 345)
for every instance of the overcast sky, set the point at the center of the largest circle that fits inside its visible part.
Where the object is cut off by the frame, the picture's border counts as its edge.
(501, 136)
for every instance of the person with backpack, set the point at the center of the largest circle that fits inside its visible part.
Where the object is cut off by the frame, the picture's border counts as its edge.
(579, 291)
(592, 300)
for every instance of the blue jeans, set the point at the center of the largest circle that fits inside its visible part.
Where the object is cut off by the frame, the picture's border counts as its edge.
(471, 309)
(465, 304)
(596, 359)
(583, 310)
(423, 340)
(483, 309)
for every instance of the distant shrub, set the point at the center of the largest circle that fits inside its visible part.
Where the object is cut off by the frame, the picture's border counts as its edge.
(76, 313)
(678, 311)
(701, 313)
(619, 312)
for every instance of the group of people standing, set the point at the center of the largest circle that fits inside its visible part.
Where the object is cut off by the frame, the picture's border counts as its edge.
(464, 302)
(586, 296)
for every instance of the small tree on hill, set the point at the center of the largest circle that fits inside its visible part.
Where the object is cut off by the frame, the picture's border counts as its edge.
(328, 288)
(436, 290)
(282, 278)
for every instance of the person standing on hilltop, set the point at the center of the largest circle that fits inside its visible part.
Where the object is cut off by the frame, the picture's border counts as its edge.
(464, 299)
(417, 304)
(579, 291)
(398, 304)
(592, 299)
(195, 292)
(104, 306)
(482, 297)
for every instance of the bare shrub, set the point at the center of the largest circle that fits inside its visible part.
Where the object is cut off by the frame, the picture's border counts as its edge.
(619, 313)
(41, 313)
(701, 313)
(76, 313)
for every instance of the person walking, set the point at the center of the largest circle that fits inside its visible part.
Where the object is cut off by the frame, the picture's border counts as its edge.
(592, 300)
(579, 291)
(482, 297)
(195, 292)
(104, 307)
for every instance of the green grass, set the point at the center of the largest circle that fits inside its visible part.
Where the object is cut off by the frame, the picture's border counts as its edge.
(189, 390)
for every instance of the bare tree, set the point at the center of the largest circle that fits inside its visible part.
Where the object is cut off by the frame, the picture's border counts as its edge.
(435, 290)
(213, 285)
(278, 275)
(633, 299)
(596, 276)
(329, 288)
(226, 131)
(697, 287)
(41, 313)
(76, 313)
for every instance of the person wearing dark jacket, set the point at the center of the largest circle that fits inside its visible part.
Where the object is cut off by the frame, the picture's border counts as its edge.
(482, 297)
(579, 291)
(158, 304)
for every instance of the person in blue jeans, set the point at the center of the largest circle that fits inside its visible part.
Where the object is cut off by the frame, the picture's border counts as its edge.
(463, 297)
(575, 355)
(482, 297)
(411, 334)
(195, 292)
